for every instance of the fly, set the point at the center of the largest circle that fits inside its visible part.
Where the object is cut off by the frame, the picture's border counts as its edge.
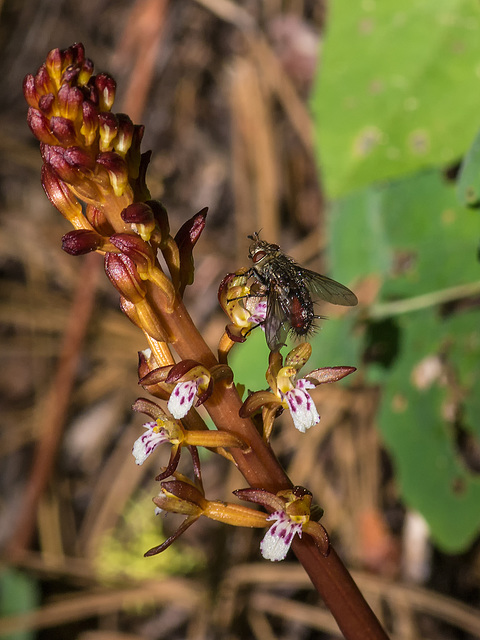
(291, 291)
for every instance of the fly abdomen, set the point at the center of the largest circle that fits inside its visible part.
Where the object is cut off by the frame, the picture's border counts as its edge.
(301, 313)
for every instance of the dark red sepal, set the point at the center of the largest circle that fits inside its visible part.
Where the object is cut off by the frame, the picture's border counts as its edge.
(81, 241)
(186, 238)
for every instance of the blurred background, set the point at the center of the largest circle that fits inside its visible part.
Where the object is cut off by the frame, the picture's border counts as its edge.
(347, 133)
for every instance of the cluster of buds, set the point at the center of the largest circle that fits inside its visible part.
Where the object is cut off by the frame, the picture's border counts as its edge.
(94, 174)
(88, 151)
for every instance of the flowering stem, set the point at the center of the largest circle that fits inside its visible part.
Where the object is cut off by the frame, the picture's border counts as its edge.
(260, 468)
(94, 174)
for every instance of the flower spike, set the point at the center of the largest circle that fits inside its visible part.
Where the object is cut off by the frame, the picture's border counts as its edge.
(94, 173)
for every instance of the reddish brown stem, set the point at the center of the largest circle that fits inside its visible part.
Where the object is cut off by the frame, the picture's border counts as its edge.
(334, 583)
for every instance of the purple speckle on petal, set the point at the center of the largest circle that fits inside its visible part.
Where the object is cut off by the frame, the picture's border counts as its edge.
(287, 535)
(278, 538)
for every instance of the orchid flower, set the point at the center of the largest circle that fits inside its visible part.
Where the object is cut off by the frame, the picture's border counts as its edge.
(289, 392)
(291, 516)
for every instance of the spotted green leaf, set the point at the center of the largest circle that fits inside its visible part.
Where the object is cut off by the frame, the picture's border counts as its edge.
(398, 88)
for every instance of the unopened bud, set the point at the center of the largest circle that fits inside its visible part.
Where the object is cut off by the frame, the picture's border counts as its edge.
(136, 249)
(69, 101)
(81, 241)
(78, 53)
(47, 105)
(67, 56)
(116, 169)
(138, 213)
(40, 126)
(89, 126)
(55, 156)
(123, 274)
(70, 74)
(30, 92)
(53, 66)
(85, 72)
(105, 86)
(124, 135)
(79, 158)
(108, 127)
(140, 216)
(61, 197)
(64, 131)
(44, 81)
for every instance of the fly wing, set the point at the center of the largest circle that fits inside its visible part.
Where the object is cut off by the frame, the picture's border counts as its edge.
(328, 289)
(276, 321)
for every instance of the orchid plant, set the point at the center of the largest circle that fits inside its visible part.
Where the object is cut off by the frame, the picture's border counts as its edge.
(94, 173)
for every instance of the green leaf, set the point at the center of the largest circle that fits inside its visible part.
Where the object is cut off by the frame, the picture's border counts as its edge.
(419, 429)
(19, 594)
(249, 361)
(469, 177)
(414, 238)
(412, 234)
(398, 89)
(336, 343)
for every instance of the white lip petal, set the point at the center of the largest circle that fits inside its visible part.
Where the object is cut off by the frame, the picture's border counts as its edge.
(302, 408)
(276, 542)
(181, 399)
(148, 441)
